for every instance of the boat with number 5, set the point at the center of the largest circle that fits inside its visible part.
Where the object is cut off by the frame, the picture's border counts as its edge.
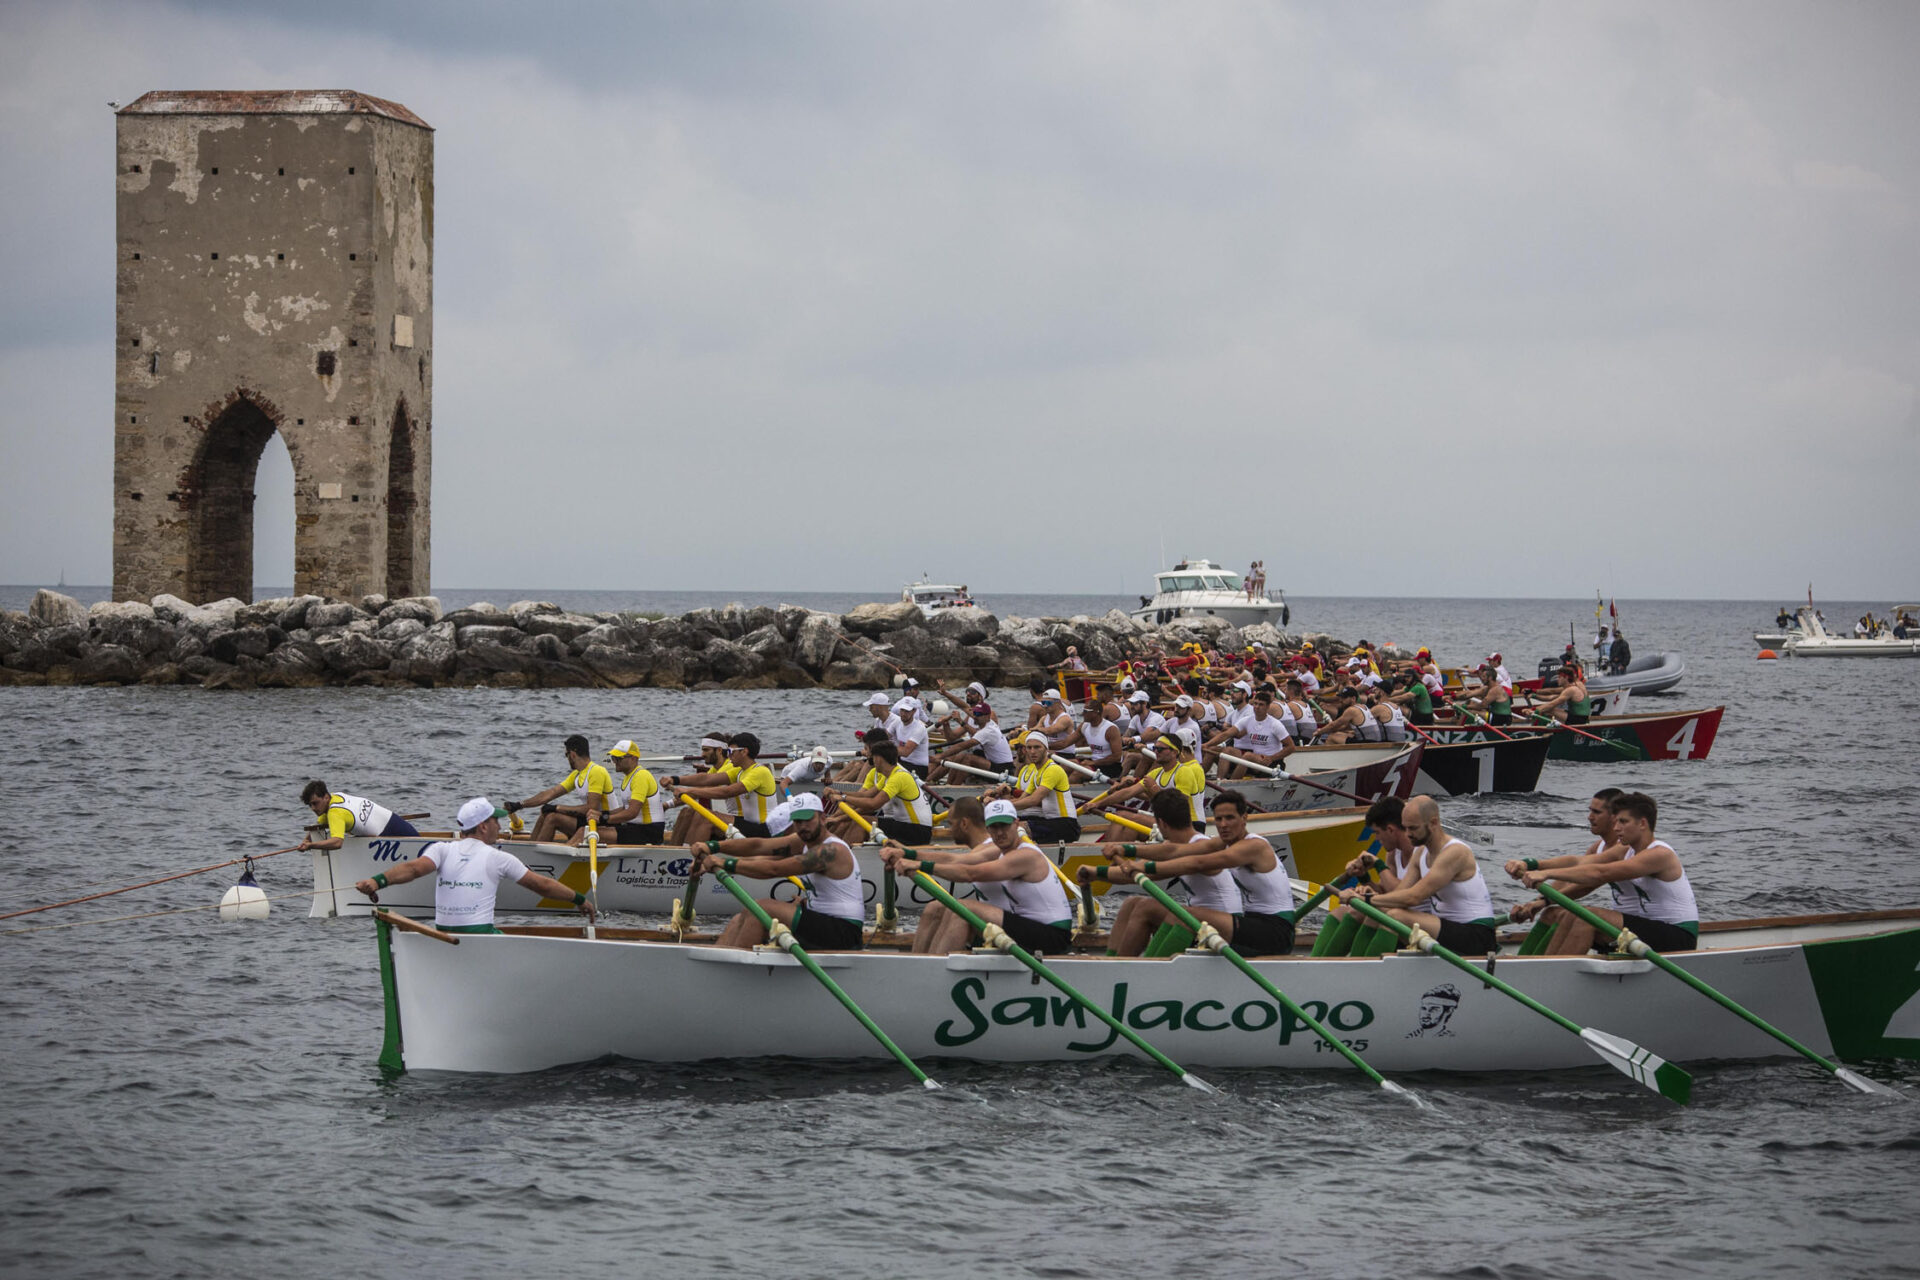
(534, 998)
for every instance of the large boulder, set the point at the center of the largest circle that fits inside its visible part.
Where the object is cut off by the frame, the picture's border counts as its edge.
(1264, 633)
(621, 668)
(349, 654)
(484, 659)
(48, 648)
(262, 613)
(52, 609)
(878, 619)
(966, 626)
(373, 602)
(927, 655)
(730, 660)
(564, 625)
(858, 673)
(129, 624)
(1121, 623)
(231, 645)
(1031, 638)
(109, 664)
(187, 643)
(335, 614)
(216, 616)
(398, 629)
(608, 635)
(427, 657)
(15, 630)
(760, 615)
(677, 635)
(171, 610)
(478, 615)
(521, 610)
(815, 640)
(769, 645)
(1231, 640)
(425, 609)
(295, 665)
(294, 616)
(669, 668)
(504, 637)
(1016, 668)
(789, 617)
(725, 623)
(546, 648)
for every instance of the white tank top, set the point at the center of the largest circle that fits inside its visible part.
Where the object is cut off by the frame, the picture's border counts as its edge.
(1395, 728)
(1265, 737)
(1669, 901)
(845, 897)
(1305, 725)
(367, 818)
(1216, 891)
(1369, 730)
(1045, 901)
(1463, 901)
(1267, 893)
(1095, 736)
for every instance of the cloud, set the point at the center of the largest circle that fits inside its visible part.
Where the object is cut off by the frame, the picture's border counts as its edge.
(818, 296)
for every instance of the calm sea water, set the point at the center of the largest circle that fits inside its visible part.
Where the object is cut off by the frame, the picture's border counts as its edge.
(187, 1098)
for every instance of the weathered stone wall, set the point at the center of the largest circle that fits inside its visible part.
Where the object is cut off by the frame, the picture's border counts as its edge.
(275, 261)
(307, 641)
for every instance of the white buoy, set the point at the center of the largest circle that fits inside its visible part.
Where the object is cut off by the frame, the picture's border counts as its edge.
(941, 707)
(245, 901)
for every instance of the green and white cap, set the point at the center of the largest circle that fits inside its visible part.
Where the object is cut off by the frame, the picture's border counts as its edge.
(1001, 811)
(804, 805)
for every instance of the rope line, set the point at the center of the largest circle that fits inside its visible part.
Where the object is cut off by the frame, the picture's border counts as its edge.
(145, 884)
(149, 915)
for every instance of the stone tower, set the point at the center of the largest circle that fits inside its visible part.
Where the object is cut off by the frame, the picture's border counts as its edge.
(275, 273)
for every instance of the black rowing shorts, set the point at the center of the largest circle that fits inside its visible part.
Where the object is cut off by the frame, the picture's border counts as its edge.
(1467, 939)
(907, 833)
(1657, 934)
(818, 931)
(1258, 934)
(1039, 938)
(747, 827)
(640, 833)
(1109, 767)
(1054, 830)
(917, 770)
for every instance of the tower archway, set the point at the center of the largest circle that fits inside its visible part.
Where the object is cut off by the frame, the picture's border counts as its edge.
(404, 576)
(218, 491)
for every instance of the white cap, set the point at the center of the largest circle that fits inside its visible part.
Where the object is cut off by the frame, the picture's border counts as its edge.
(1242, 684)
(820, 755)
(476, 811)
(1139, 695)
(1051, 695)
(907, 704)
(1183, 701)
(908, 682)
(1259, 646)
(1189, 736)
(1126, 682)
(780, 817)
(804, 805)
(999, 811)
(878, 699)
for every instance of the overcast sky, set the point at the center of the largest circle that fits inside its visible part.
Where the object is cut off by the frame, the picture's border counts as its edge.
(1422, 299)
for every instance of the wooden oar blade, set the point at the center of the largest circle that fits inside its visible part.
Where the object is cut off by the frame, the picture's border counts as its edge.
(1643, 1066)
(1864, 1085)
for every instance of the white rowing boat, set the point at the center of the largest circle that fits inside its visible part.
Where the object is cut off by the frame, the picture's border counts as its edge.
(646, 879)
(525, 1001)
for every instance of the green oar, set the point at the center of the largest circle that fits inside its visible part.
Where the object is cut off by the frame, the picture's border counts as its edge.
(996, 937)
(1621, 747)
(1641, 1066)
(1210, 938)
(1642, 951)
(783, 938)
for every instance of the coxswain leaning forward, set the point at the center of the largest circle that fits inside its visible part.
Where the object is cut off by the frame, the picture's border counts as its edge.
(470, 870)
(835, 908)
(1431, 878)
(1045, 787)
(1652, 897)
(1263, 923)
(1018, 888)
(581, 795)
(891, 793)
(748, 794)
(344, 815)
(635, 812)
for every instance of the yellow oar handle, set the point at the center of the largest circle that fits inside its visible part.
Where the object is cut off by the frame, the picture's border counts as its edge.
(857, 816)
(1128, 822)
(725, 827)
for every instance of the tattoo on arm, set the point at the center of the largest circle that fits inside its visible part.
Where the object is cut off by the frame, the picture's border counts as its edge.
(812, 860)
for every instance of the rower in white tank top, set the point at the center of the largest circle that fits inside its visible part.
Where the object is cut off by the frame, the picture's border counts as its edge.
(1395, 728)
(1095, 736)
(1463, 901)
(1217, 891)
(1044, 901)
(1369, 730)
(1305, 726)
(845, 897)
(1268, 893)
(1669, 901)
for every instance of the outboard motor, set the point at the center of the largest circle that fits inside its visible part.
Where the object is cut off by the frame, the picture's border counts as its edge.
(1549, 668)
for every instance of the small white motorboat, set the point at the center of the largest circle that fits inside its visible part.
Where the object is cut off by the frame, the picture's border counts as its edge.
(1203, 589)
(1814, 640)
(935, 598)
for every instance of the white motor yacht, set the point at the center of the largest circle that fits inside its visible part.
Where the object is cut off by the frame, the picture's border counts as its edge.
(1203, 589)
(937, 597)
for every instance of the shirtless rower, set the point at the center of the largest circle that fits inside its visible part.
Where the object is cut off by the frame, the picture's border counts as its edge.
(635, 814)
(1045, 788)
(984, 747)
(1212, 893)
(1431, 879)
(890, 796)
(343, 815)
(834, 912)
(749, 792)
(581, 795)
(1652, 897)
(1348, 719)
(1264, 926)
(1103, 739)
(1018, 888)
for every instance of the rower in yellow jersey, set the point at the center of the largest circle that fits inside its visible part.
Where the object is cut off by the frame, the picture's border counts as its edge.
(892, 793)
(717, 769)
(1044, 788)
(1174, 769)
(749, 791)
(581, 795)
(636, 812)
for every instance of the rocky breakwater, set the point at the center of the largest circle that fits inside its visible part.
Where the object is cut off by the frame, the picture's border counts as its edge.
(307, 642)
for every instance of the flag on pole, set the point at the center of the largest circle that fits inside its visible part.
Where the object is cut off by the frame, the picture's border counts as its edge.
(1613, 610)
